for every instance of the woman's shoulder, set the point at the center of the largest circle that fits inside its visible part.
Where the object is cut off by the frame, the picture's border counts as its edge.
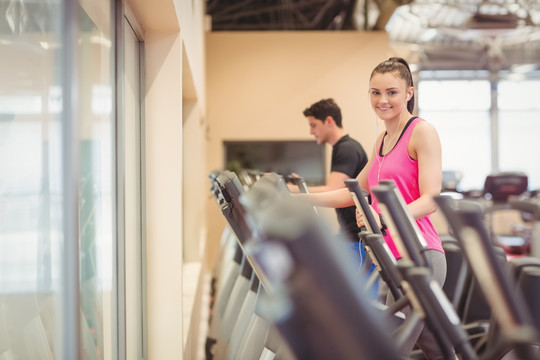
(424, 133)
(421, 126)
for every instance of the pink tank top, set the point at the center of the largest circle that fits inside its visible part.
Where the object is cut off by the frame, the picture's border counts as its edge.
(403, 171)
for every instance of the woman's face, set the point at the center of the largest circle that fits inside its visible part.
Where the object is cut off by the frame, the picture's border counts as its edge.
(388, 95)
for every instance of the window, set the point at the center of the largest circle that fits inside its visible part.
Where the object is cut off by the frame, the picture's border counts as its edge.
(305, 158)
(519, 128)
(36, 204)
(481, 131)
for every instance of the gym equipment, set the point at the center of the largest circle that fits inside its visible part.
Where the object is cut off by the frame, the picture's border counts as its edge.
(234, 305)
(427, 296)
(376, 248)
(252, 341)
(498, 188)
(514, 335)
(530, 206)
(328, 315)
(502, 185)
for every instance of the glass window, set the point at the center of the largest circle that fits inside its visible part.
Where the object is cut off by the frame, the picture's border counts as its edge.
(519, 126)
(30, 181)
(31, 172)
(96, 180)
(460, 111)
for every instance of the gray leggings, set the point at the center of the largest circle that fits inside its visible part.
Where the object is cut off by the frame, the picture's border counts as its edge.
(421, 335)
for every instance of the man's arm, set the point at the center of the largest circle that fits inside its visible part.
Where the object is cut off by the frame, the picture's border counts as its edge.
(336, 180)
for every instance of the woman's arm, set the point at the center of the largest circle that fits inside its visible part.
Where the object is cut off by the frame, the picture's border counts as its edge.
(362, 179)
(333, 199)
(425, 147)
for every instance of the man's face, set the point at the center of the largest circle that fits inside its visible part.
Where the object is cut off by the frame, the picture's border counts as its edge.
(318, 129)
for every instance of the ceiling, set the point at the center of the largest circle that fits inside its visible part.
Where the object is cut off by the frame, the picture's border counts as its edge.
(232, 15)
(434, 34)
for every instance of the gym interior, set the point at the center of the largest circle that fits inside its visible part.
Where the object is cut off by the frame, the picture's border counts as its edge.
(145, 146)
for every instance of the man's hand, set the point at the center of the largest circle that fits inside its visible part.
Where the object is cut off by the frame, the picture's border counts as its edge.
(293, 188)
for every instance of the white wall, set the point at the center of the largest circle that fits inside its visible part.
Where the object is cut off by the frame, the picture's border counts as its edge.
(163, 103)
(174, 55)
(195, 184)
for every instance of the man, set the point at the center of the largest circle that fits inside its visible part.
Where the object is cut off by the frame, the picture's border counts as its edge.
(348, 159)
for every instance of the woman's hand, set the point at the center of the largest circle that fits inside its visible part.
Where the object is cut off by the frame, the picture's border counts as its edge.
(360, 221)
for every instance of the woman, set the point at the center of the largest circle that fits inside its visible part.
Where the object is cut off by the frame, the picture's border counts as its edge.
(408, 153)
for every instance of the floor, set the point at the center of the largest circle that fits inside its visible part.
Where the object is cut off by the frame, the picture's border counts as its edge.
(196, 287)
(196, 299)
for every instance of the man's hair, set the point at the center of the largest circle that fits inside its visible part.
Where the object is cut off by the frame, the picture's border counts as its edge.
(323, 108)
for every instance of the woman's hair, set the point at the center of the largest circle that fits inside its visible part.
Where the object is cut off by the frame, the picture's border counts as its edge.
(401, 67)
